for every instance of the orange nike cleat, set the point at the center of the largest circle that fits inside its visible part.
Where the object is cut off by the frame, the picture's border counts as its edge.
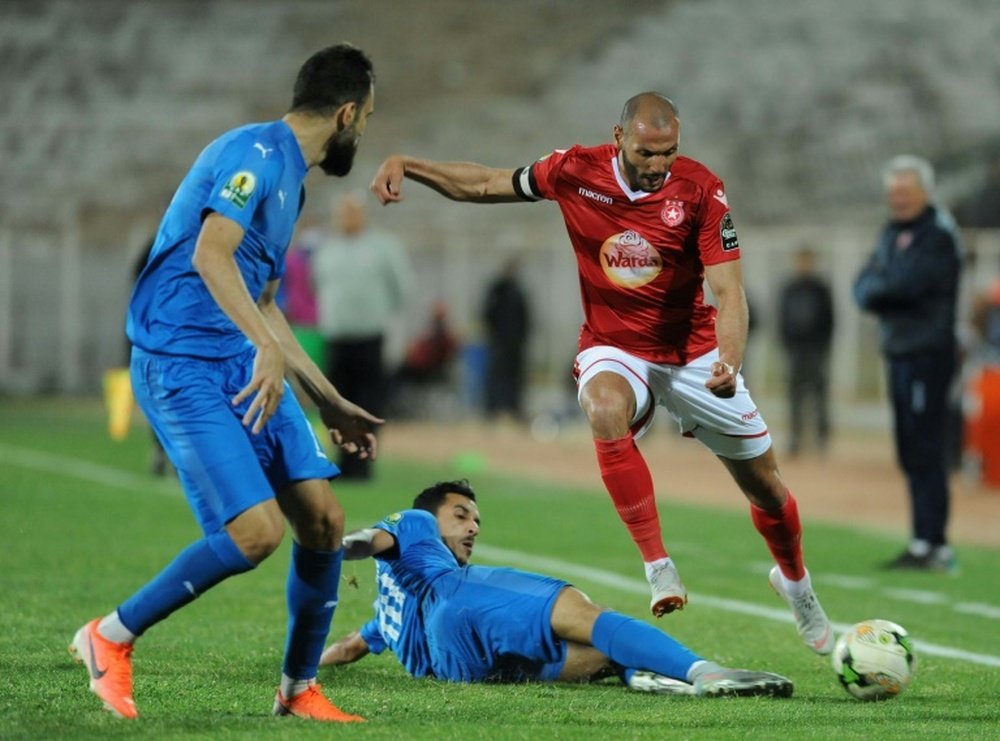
(313, 704)
(110, 667)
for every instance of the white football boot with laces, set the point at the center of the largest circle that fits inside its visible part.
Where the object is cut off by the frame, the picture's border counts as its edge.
(810, 620)
(667, 589)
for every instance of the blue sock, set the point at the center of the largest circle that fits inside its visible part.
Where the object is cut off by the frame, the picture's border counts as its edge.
(638, 645)
(313, 579)
(196, 569)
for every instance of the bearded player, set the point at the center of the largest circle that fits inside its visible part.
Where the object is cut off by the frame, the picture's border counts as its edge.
(210, 353)
(648, 228)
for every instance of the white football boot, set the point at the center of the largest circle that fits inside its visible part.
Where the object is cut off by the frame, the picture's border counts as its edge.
(810, 620)
(667, 589)
(658, 684)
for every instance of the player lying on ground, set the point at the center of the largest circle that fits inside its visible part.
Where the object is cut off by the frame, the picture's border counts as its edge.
(649, 228)
(443, 618)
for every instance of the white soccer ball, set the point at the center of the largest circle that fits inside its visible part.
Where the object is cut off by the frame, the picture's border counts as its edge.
(874, 660)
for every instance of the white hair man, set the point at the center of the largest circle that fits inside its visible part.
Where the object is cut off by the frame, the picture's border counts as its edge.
(910, 283)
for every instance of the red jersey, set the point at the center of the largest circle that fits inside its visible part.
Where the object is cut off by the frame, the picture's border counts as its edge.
(641, 256)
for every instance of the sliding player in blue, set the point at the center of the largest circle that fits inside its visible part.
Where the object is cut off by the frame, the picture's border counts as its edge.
(447, 619)
(210, 352)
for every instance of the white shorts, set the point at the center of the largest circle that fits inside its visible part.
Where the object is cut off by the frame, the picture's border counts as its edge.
(730, 428)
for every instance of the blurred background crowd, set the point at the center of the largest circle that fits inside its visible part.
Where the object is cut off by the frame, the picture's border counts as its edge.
(475, 311)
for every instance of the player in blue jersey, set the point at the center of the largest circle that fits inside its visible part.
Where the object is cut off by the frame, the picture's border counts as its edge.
(210, 353)
(445, 618)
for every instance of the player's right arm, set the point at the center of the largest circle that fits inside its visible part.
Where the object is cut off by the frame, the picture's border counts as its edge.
(367, 543)
(368, 639)
(459, 181)
(214, 259)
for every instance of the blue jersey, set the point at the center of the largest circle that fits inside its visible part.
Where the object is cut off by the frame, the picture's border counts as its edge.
(252, 175)
(420, 555)
(460, 623)
(403, 577)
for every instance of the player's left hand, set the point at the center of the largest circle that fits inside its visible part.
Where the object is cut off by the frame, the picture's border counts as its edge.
(723, 380)
(351, 427)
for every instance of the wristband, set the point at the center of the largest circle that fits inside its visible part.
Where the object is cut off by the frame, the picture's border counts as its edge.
(366, 536)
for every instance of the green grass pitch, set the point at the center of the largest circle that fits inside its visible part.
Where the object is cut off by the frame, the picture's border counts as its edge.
(82, 525)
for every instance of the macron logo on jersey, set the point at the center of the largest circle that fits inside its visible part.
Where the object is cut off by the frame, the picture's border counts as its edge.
(599, 197)
(264, 151)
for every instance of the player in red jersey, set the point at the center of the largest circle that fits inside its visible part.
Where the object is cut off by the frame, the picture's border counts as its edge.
(648, 228)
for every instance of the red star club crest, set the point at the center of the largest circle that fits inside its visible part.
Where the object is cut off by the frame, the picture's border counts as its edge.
(672, 213)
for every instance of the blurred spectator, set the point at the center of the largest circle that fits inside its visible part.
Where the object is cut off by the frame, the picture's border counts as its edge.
(981, 376)
(429, 356)
(805, 315)
(297, 295)
(508, 322)
(361, 278)
(428, 361)
(911, 284)
(985, 321)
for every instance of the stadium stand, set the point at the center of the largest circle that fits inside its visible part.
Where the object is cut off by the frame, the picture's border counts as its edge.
(105, 104)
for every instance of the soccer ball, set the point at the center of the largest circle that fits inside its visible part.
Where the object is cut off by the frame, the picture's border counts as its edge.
(874, 660)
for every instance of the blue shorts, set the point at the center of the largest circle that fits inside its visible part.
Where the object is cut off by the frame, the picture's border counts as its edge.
(224, 468)
(488, 624)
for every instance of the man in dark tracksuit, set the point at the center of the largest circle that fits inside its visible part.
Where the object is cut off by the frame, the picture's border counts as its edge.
(508, 324)
(911, 284)
(805, 314)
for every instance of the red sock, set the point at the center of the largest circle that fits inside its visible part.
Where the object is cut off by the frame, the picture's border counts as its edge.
(783, 533)
(627, 479)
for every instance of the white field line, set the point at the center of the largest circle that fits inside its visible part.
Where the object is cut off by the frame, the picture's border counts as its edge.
(978, 608)
(59, 465)
(916, 596)
(611, 579)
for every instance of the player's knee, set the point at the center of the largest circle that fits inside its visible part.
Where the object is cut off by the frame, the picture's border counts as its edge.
(607, 413)
(262, 543)
(574, 615)
(257, 534)
(321, 529)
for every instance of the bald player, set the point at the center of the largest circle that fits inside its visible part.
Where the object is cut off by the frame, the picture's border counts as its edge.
(648, 227)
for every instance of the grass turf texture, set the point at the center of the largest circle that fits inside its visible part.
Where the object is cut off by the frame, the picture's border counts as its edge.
(73, 548)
